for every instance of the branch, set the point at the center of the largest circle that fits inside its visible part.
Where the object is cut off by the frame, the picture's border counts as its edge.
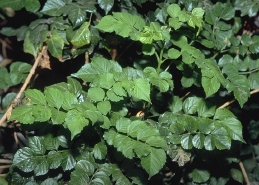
(32, 71)
(244, 173)
(231, 101)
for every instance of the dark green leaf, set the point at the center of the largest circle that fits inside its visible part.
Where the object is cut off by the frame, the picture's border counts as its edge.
(49, 181)
(200, 176)
(186, 141)
(100, 150)
(7, 100)
(236, 175)
(191, 105)
(53, 7)
(106, 5)
(76, 14)
(55, 46)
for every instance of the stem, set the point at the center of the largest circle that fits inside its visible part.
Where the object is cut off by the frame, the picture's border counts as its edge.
(249, 72)
(18, 96)
(159, 59)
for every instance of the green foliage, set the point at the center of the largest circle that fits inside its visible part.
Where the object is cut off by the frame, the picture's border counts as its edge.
(121, 120)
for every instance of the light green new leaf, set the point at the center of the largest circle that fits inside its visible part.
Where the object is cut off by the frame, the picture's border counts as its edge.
(106, 80)
(82, 36)
(75, 121)
(32, 5)
(106, 5)
(55, 46)
(104, 107)
(154, 161)
(14, 4)
(141, 90)
(173, 10)
(35, 96)
(200, 176)
(23, 114)
(100, 150)
(174, 53)
(54, 97)
(96, 94)
(41, 113)
(53, 7)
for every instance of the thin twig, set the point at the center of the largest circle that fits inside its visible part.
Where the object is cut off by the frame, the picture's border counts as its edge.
(32, 71)
(231, 101)
(6, 161)
(5, 166)
(244, 172)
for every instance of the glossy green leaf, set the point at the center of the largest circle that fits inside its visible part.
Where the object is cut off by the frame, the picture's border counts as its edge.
(54, 158)
(220, 138)
(79, 177)
(75, 121)
(82, 36)
(37, 146)
(210, 83)
(190, 105)
(186, 141)
(100, 150)
(234, 128)
(55, 46)
(198, 141)
(49, 181)
(76, 14)
(53, 7)
(74, 86)
(25, 160)
(154, 161)
(68, 161)
(106, 5)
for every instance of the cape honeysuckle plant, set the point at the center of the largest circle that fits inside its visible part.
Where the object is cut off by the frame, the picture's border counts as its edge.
(122, 117)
